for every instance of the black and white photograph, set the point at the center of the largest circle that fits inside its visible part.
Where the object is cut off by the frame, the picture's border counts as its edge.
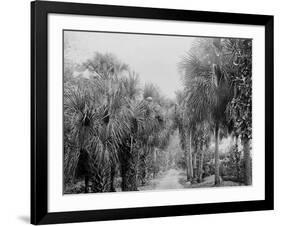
(153, 111)
(122, 113)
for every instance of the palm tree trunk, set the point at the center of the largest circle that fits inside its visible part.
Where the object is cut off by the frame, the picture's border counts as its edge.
(102, 178)
(128, 168)
(86, 183)
(200, 172)
(190, 157)
(186, 156)
(194, 163)
(142, 168)
(237, 159)
(137, 168)
(112, 176)
(217, 167)
(247, 162)
(154, 153)
(128, 171)
(185, 149)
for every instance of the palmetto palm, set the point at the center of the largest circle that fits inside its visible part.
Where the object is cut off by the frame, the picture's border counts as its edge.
(106, 144)
(131, 85)
(129, 145)
(145, 124)
(156, 131)
(155, 136)
(107, 70)
(207, 89)
(107, 66)
(201, 142)
(124, 120)
(82, 118)
(102, 105)
(181, 123)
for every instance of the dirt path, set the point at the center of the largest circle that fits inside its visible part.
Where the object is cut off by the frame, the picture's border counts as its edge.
(175, 179)
(169, 181)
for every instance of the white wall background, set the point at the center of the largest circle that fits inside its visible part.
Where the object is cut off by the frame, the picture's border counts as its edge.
(15, 112)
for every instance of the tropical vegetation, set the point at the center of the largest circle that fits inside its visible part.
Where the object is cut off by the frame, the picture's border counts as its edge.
(120, 135)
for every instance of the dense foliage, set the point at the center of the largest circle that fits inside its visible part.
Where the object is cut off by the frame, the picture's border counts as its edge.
(112, 127)
(120, 135)
(217, 77)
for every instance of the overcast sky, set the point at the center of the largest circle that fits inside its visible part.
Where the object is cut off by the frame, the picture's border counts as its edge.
(153, 57)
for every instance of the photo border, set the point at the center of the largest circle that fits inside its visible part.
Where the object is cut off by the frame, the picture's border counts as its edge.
(39, 112)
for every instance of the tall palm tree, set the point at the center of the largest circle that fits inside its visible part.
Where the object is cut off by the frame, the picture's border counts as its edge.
(207, 88)
(107, 69)
(103, 96)
(202, 139)
(129, 146)
(131, 85)
(106, 143)
(185, 132)
(106, 66)
(124, 110)
(83, 121)
(157, 129)
(157, 137)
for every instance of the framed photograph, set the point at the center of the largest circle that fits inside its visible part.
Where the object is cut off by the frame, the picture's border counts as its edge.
(146, 112)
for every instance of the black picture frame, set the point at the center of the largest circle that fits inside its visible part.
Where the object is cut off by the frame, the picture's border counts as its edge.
(39, 112)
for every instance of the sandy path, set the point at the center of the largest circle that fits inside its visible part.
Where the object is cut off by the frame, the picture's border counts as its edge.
(169, 181)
